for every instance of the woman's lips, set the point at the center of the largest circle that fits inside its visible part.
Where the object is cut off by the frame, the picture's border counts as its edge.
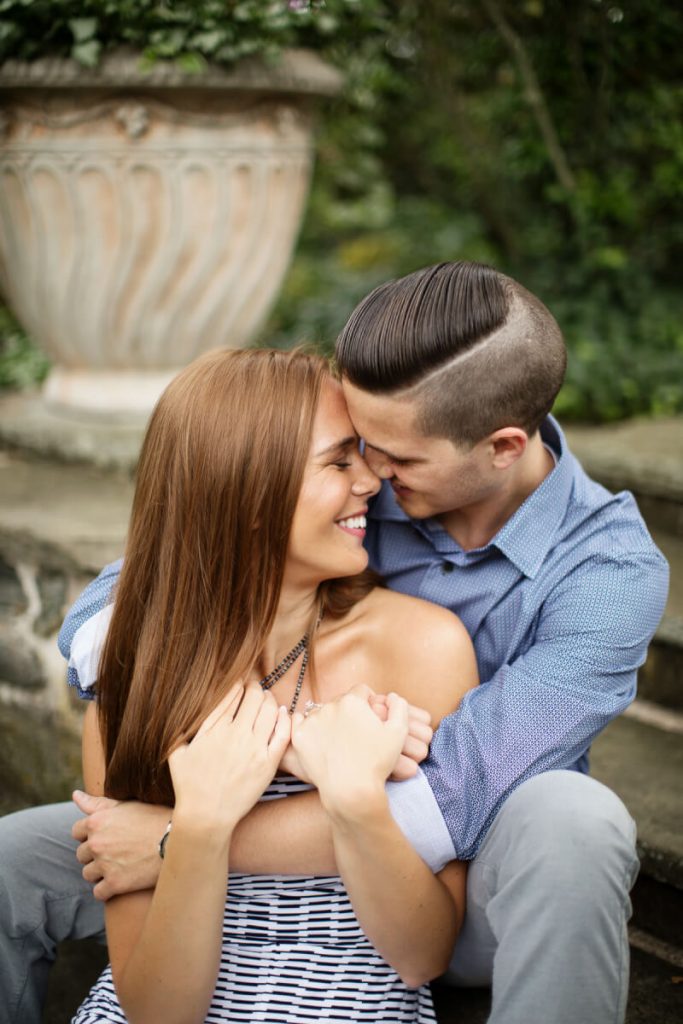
(355, 525)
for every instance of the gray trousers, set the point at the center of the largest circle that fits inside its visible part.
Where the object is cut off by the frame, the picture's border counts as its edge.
(546, 917)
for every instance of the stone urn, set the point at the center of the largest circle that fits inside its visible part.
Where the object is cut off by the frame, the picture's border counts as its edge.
(148, 215)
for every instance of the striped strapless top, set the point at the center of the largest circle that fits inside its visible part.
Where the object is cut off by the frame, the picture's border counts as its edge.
(293, 952)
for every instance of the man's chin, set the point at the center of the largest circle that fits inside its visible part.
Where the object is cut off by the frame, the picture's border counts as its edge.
(411, 504)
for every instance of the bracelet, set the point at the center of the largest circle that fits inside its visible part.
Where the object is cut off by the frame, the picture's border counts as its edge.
(164, 840)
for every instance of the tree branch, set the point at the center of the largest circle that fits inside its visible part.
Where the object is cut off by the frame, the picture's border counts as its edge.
(534, 96)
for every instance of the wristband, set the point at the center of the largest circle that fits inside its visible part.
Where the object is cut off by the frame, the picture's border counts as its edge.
(164, 840)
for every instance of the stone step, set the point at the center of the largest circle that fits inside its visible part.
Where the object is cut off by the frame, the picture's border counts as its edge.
(661, 677)
(642, 456)
(643, 764)
(654, 992)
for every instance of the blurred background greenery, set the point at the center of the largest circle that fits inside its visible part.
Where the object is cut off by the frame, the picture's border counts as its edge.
(543, 137)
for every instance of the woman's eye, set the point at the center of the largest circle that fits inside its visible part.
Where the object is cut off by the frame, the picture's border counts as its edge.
(342, 465)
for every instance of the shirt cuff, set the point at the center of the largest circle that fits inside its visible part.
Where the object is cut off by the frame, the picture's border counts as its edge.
(416, 812)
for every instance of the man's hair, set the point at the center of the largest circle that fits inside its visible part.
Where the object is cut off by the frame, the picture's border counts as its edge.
(471, 347)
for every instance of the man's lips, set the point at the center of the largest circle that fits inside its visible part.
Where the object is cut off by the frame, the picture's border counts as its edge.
(399, 489)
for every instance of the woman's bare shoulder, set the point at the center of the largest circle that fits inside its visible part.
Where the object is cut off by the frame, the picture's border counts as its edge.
(426, 621)
(426, 650)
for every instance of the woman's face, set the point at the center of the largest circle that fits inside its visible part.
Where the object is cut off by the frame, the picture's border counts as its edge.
(326, 540)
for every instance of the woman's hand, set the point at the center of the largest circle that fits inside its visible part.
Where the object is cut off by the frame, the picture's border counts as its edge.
(348, 752)
(415, 747)
(220, 774)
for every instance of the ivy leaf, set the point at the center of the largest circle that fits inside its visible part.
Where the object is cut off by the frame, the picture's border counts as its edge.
(83, 29)
(87, 53)
(208, 42)
(193, 63)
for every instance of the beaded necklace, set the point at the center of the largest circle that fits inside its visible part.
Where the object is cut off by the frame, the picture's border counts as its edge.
(286, 663)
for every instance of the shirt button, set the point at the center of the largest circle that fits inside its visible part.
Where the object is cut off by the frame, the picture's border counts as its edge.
(447, 567)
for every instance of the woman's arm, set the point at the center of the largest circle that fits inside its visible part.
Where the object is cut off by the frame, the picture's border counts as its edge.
(411, 917)
(165, 946)
(119, 839)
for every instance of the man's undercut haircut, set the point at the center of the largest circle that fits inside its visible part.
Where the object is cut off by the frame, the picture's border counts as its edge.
(472, 348)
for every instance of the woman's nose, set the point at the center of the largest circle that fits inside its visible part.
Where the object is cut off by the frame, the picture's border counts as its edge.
(367, 481)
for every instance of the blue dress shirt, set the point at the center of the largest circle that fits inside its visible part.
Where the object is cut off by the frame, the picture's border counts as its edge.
(560, 605)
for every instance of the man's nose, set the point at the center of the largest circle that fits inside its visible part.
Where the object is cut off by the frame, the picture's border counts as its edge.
(379, 464)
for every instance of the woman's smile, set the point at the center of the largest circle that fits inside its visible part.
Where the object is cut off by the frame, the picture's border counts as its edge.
(334, 496)
(355, 525)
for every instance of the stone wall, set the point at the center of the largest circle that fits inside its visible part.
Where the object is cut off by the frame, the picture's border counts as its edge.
(39, 719)
(33, 601)
(59, 525)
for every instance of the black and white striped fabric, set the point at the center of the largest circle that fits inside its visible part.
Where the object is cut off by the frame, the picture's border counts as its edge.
(293, 952)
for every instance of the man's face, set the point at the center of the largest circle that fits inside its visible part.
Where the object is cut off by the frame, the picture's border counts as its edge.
(430, 476)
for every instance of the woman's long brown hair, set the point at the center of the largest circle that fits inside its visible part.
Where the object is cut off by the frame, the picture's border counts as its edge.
(218, 480)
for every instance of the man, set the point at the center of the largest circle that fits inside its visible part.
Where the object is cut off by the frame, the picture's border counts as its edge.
(450, 374)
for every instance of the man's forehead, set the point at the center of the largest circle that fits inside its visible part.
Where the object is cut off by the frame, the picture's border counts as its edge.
(384, 422)
(382, 408)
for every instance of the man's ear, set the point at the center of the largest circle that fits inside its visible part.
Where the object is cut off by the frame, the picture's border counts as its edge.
(507, 445)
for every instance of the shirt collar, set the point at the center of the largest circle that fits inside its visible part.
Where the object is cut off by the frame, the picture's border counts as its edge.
(528, 535)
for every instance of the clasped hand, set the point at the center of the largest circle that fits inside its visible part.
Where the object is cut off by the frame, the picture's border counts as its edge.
(347, 750)
(415, 745)
(118, 841)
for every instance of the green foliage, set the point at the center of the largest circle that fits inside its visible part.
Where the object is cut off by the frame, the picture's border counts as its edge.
(22, 365)
(188, 31)
(543, 137)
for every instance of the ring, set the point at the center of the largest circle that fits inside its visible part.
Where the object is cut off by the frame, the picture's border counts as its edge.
(310, 706)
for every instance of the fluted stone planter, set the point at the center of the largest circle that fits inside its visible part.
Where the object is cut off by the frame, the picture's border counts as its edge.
(148, 216)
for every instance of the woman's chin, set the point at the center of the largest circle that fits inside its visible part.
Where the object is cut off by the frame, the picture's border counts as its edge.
(351, 566)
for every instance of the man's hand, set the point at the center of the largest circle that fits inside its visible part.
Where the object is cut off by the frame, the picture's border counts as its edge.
(119, 843)
(416, 746)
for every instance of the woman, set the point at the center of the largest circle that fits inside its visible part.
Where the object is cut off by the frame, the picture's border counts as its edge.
(243, 597)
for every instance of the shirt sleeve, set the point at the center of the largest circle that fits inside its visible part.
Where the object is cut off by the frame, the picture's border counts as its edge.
(416, 812)
(93, 600)
(542, 711)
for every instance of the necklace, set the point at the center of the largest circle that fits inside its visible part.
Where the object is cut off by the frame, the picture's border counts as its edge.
(286, 663)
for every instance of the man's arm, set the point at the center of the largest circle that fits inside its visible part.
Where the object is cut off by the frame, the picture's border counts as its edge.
(119, 841)
(96, 596)
(542, 711)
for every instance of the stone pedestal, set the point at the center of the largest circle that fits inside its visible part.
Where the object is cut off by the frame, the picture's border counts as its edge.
(147, 216)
